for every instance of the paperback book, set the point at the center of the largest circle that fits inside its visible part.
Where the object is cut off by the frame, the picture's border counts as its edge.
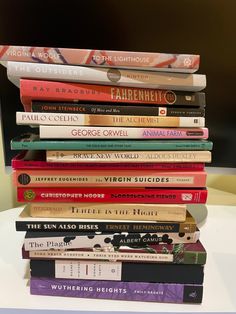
(112, 195)
(122, 178)
(27, 223)
(31, 90)
(115, 290)
(110, 211)
(44, 240)
(187, 63)
(122, 109)
(31, 141)
(118, 271)
(183, 253)
(105, 76)
(36, 159)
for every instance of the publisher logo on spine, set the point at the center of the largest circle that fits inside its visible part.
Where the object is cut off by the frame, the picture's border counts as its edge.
(187, 197)
(24, 179)
(29, 195)
(170, 97)
(162, 111)
(113, 75)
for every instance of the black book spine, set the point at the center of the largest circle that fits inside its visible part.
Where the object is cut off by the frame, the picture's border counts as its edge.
(66, 226)
(101, 109)
(137, 272)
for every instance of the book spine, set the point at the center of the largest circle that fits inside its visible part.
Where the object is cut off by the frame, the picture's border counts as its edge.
(36, 164)
(185, 253)
(117, 271)
(38, 241)
(68, 119)
(69, 178)
(110, 211)
(187, 63)
(112, 195)
(91, 255)
(60, 91)
(110, 109)
(105, 76)
(65, 132)
(115, 290)
(31, 142)
(128, 156)
(51, 226)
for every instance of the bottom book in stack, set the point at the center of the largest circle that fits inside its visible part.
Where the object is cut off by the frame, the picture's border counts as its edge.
(142, 266)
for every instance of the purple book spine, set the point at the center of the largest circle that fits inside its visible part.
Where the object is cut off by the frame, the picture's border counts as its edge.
(132, 291)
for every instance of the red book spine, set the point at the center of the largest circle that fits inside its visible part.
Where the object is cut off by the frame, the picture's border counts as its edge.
(59, 91)
(44, 165)
(112, 195)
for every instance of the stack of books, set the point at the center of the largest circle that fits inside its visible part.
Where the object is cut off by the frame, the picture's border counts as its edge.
(117, 151)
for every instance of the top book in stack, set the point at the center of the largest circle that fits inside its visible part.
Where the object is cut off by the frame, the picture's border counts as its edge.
(183, 63)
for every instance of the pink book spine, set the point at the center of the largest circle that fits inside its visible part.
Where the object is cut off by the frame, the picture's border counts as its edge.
(73, 132)
(122, 178)
(112, 195)
(187, 63)
(20, 164)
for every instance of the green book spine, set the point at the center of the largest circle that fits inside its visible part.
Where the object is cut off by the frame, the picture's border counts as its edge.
(33, 143)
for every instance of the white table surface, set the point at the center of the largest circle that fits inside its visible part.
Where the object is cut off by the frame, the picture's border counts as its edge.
(218, 234)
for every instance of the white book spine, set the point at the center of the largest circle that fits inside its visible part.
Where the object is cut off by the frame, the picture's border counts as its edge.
(105, 76)
(49, 118)
(105, 240)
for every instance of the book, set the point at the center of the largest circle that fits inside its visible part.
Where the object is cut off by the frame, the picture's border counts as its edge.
(112, 195)
(186, 63)
(117, 271)
(183, 253)
(110, 211)
(117, 290)
(30, 141)
(110, 109)
(128, 156)
(65, 91)
(76, 132)
(36, 159)
(40, 118)
(37, 241)
(27, 223)
(121, 178)
(105, 76)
